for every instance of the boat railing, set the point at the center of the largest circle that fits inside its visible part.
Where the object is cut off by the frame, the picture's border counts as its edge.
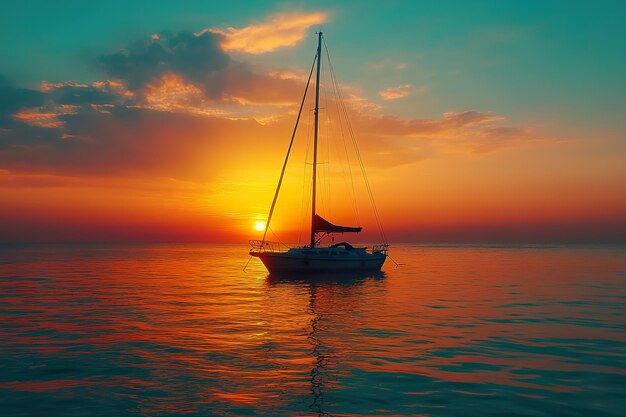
(267, 246)
(382, 248)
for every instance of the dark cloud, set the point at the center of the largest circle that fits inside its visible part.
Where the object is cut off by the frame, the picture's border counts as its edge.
(239, 81)
(12, 99)
(200, 61)
(99, 129)
(82, 95)
(193, 57)
(471, 132)
(123, 141)
(451, 123)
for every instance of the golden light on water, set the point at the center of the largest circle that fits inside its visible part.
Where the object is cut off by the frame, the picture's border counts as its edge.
(260, 226)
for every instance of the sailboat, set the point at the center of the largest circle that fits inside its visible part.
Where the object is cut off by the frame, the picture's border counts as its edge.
(315, 258)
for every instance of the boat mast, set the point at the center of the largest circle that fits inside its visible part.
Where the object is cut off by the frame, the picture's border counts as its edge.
(316, 113)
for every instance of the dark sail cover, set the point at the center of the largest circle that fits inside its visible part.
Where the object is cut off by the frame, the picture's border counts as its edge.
(322, 225)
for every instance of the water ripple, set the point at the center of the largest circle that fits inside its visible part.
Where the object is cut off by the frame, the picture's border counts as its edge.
(177, 330)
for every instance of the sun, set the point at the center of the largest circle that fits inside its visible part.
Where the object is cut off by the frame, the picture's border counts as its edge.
(259, 226)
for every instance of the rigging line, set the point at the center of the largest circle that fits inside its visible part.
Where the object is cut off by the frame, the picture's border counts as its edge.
(304, 218)
(358, 154)
(247, 263)
(337, 101)
(338, 131)
(327, 200)
(394, 261)
(359, 158)
(277, 238)
(367, 184)
(343, 139)
(335, 152)
(306, 184)
(293, 135)
(353, 139)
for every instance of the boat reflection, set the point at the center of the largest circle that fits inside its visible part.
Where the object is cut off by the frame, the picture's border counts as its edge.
(339, 278)
(332, 298)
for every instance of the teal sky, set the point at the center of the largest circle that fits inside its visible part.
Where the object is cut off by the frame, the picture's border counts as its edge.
(493, 120)
(521, 59)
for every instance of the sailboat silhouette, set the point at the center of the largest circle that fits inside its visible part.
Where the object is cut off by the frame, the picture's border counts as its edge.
(338, 257)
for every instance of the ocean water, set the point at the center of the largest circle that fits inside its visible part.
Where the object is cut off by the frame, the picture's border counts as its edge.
(181, 330)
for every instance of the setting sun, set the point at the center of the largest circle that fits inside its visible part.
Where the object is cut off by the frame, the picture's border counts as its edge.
(259, 226)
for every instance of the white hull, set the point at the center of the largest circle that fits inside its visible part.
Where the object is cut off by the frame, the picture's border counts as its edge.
(306, 260)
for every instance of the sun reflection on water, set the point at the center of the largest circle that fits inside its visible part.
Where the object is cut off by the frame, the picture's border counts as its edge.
(182, 330)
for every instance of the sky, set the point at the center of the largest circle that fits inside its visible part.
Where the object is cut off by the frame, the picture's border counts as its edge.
(477, 122)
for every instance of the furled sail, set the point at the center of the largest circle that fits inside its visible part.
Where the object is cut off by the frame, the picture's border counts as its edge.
(322, 225)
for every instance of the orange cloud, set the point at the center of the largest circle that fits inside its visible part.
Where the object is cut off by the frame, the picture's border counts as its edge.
(244, 95)
(173, 93)
(42, 118)
(394, 93)
(280, 31)
(396, 141)
(108, 86)
(35, 118)
(46, 86)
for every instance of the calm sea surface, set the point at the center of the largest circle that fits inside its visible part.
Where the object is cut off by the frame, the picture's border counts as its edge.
(182, 330)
